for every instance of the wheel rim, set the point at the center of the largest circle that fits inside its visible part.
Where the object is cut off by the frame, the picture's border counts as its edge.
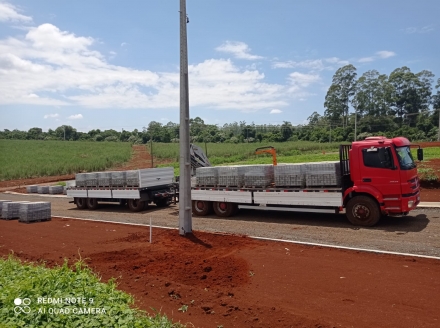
(222, 207)
(361, 212)
(80, 202)
(200, 206)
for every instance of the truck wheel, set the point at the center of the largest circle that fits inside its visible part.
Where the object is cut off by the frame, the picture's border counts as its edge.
(92, 203)
(224, 209)
(201, 207)
(363, 211)
(136, 205)
(81, 203)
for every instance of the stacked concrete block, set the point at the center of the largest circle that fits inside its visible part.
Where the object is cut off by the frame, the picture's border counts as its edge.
(289, 175)
(1, 205)
(118, 178)
(80, 180)
(32, 189)
(34, 212)
(104, 179)
(323, 174)
(11, 210)
(92, 179)
(231, 176)
(132, 178)
(56, 190)
(259, 176)
(43, 189)
(207, 176)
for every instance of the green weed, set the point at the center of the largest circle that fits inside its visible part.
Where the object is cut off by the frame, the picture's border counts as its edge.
(31, 282)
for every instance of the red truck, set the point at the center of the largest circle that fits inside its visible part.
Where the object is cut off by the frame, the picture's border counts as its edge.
(378, 176)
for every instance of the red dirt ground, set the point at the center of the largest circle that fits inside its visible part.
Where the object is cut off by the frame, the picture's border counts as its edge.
(235, 281)
(430, 191)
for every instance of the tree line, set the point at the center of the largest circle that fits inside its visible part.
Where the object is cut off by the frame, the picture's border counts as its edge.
(401, 104)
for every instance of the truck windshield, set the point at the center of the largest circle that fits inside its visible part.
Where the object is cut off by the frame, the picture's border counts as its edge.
(406, 160)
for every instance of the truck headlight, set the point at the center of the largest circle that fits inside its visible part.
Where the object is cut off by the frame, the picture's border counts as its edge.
(410, 203)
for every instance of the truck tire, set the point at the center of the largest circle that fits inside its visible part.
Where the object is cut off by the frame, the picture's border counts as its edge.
(363, 211)
(136, 205)
(92, 203)
(201, 207)
(224, 209)
(81, 203)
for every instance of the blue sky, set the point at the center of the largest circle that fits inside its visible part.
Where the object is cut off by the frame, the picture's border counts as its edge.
(115, 64)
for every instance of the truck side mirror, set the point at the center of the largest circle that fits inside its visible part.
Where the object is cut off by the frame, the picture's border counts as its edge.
(420, 154)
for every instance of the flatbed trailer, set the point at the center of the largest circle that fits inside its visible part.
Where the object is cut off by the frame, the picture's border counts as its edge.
(154, 186)
(226, 201)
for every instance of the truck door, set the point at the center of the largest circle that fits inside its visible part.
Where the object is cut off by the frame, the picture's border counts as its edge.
(379, 169)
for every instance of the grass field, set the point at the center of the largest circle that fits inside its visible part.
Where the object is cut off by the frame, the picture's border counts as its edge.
(33, 158)
(30, 281)
(220, 154)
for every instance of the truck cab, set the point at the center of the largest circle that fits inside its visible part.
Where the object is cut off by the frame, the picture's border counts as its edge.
(382, 178)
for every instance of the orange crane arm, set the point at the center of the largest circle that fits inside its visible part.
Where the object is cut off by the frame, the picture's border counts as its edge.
(268, 150)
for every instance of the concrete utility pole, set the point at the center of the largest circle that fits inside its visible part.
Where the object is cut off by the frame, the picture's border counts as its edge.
(185, 218)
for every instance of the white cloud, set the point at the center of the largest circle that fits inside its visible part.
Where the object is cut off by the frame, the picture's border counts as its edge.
(75, 117)
(421, 30)
(123, 44)
(312, 64)
(9, 13)
(385, 54)
(47, 66)
(275, 111)
(51, 115)
(239, 49)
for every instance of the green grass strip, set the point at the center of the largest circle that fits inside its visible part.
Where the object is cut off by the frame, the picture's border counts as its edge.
(29, 282)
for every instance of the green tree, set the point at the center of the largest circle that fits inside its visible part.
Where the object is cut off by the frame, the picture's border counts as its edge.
(35, 134)
(340, 93)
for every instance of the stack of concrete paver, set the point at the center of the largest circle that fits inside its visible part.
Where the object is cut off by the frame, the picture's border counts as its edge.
(104, 179)
(43, 189)
(32, 189)
(259, 176)
(80, 179)
(92, 179)
(231, 176)
(1, 205)
(207, 176)
(132, 178)
(118, 178)
(289, 175)
(10, 210)
(56, 190)
(322, 174)
(34, 212)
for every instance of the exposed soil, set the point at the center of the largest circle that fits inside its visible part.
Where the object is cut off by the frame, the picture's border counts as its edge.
(235, 281)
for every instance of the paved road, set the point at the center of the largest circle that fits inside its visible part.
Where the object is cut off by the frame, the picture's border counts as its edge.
(417, 233)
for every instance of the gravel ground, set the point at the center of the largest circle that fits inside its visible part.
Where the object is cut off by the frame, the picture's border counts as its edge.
(417, 233)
